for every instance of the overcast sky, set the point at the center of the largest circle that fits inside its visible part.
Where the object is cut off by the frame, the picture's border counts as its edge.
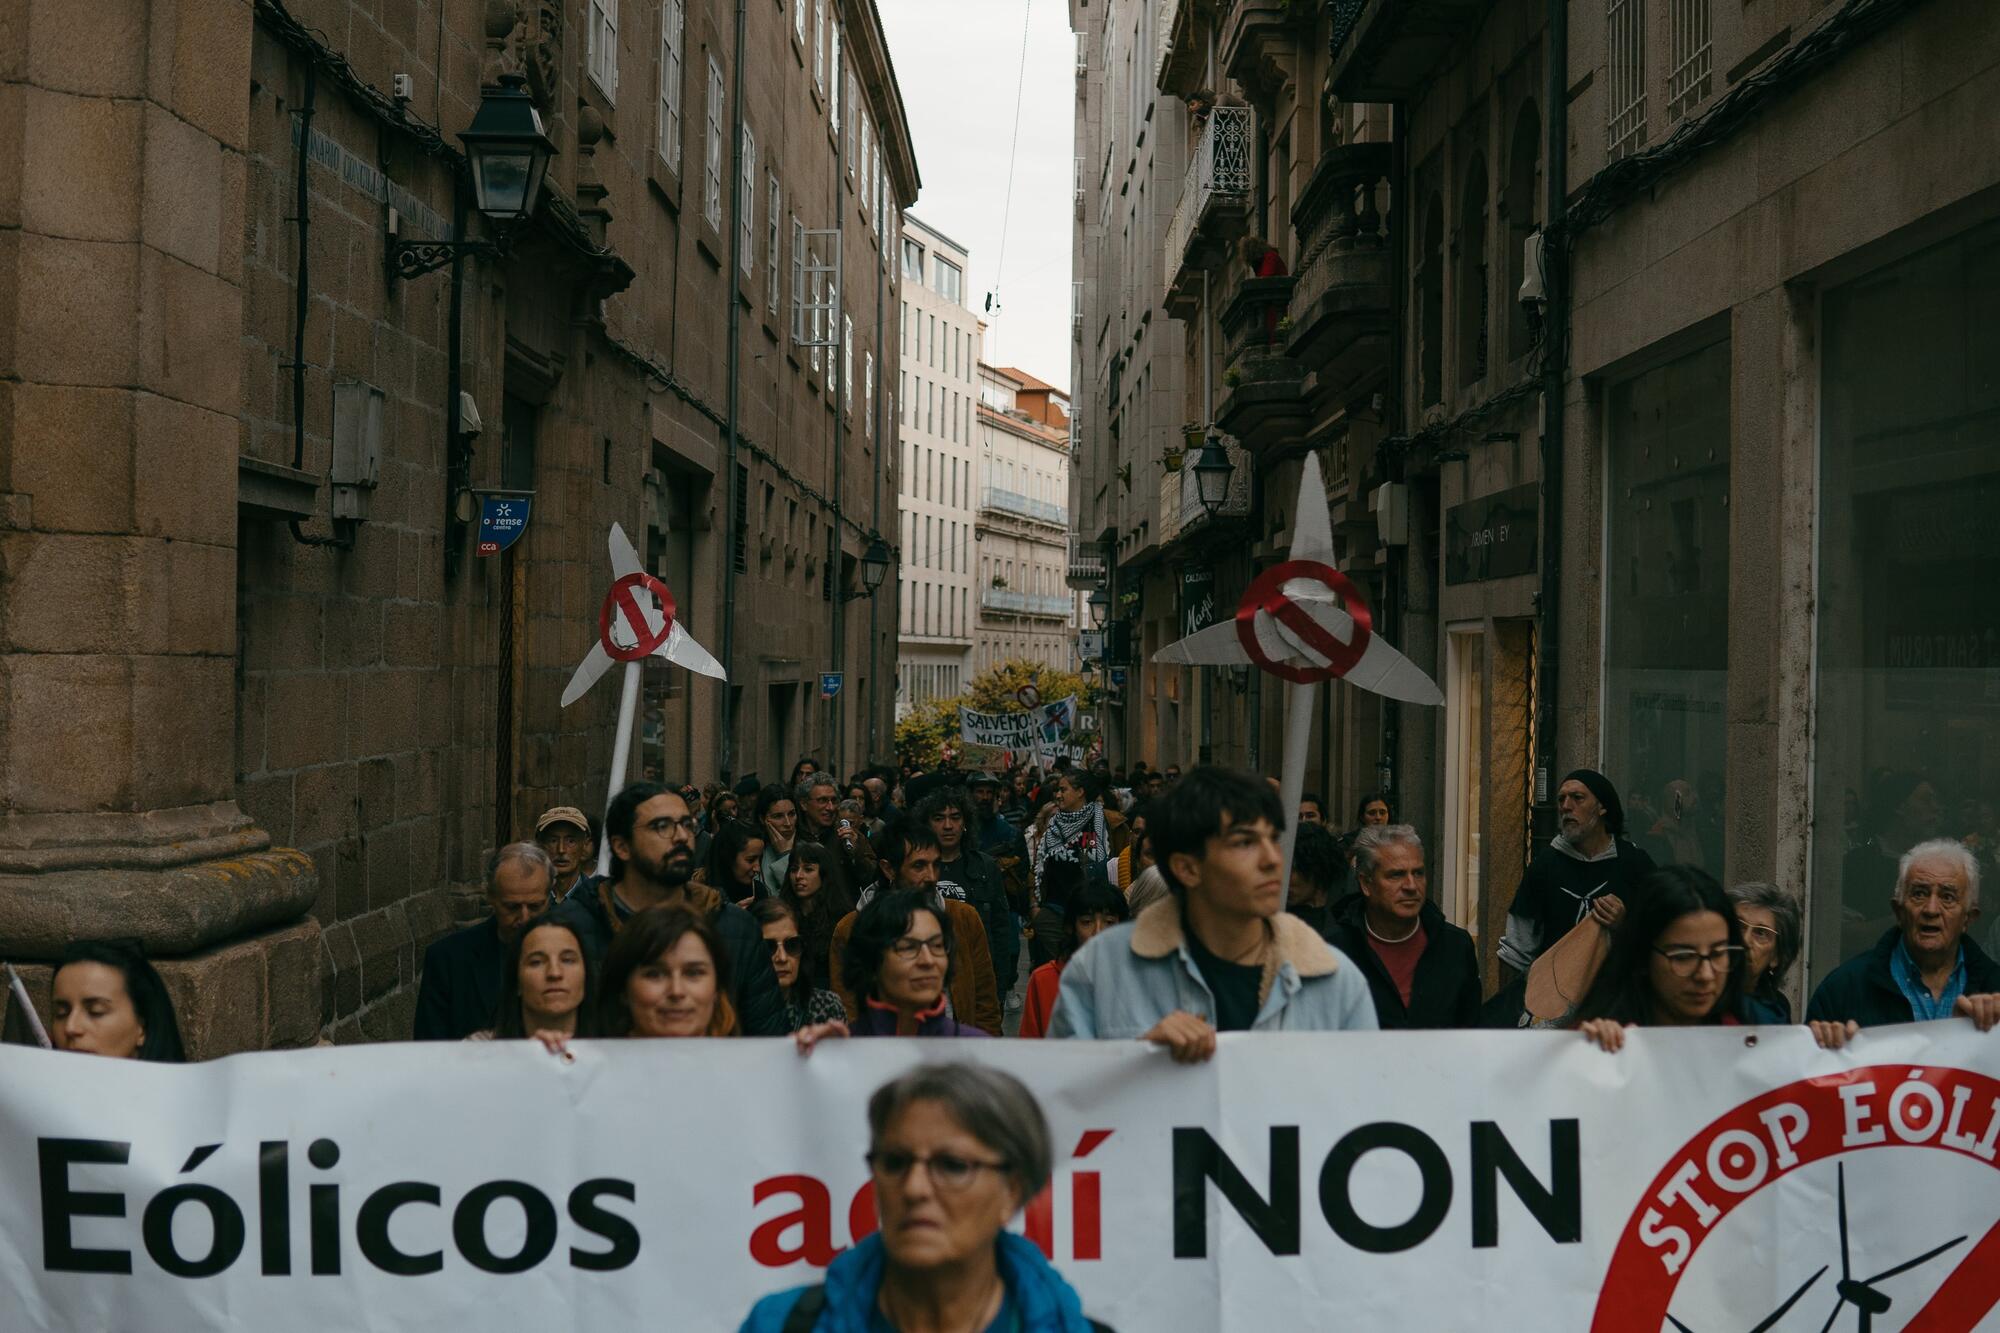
(958, 62)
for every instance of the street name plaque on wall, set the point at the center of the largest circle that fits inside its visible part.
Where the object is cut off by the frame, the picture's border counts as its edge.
(1492, 537)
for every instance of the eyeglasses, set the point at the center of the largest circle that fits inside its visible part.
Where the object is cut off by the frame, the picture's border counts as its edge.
(907, 948)
(1761, 934)
(791, 948)
(948, 1171)
(1686, 962)
(664, 825)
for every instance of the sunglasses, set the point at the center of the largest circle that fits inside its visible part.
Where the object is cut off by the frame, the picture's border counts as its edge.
(791, 948)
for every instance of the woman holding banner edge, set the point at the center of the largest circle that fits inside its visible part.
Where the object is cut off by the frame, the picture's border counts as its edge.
(955, 1152)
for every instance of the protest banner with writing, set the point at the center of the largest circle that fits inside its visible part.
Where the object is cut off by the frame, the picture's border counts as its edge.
(1698, 1179)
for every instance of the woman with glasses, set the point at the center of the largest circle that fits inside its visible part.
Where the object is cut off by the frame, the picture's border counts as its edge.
(815, 890)
(897, 962)
(1772, 930)
(805, 1003)
(955, 1151)
(778, 816)
(1676, 960)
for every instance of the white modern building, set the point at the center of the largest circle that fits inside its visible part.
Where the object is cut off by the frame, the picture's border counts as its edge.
(937, 398)
(1026, 608)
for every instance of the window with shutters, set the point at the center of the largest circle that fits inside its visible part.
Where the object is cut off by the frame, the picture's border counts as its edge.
(772, 237)
(672, 23)
(847, 362)
(819, 43)
(799, 20)
(746, 205)
(601, 42)
(833, 77)
(854, 119)
(868, 392)
(740, 541)
(798, 278)
(711, 197)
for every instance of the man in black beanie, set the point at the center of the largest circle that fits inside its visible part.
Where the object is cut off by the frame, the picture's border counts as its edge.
(1589, 867)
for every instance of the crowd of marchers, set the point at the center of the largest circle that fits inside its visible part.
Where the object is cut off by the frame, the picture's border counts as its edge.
(1150, 906)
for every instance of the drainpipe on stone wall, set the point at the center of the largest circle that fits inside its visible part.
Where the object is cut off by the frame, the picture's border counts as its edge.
(835, 755)
(1205, 675)
(1394, 567)
(1556, 340)
(881, 462)
(302, 295)
(726, 760)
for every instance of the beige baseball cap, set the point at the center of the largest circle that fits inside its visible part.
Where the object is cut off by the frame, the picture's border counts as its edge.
(562, 814)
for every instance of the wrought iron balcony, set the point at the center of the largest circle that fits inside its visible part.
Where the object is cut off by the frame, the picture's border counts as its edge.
(1387, 50)
(1214, 203)
(1025, 603)
(1086, 563)
(1341, 301)
(999, 500)
(1192, 517)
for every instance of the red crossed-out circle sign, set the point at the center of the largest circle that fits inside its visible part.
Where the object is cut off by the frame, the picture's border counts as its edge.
(1267, 594)
(623, 600)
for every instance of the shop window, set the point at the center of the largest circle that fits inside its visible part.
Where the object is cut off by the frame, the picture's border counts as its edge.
(1906, 745)
(1666, 590)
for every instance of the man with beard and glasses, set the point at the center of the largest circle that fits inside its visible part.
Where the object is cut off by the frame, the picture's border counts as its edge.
(652, 833)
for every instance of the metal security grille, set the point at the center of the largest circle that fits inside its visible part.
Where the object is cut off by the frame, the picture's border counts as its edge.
(1693, 58)
(1625, 77)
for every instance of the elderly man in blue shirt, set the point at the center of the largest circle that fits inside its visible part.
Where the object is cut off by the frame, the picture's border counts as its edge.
(1929, 966)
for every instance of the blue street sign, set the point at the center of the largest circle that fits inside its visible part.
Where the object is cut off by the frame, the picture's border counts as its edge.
(829, 684)
(1118, 676)
(502, 520)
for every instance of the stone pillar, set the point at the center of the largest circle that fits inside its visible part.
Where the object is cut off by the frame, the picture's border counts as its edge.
(122, 178)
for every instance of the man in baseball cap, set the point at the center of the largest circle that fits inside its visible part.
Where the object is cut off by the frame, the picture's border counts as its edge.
(570, 838)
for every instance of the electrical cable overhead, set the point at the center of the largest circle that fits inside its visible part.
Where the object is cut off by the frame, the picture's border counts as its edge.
(1013, 155)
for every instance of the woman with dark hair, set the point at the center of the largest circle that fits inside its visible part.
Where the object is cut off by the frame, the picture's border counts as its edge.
(735, 860)
(1096, 908)
(666, 975)
(1772, 931)
(777, 814)
(815, 889)
(805, 1003)
(545, 987)
(897, 964)
(108, 1000)
(1675, 961)
(943, 1257)
(803, 769)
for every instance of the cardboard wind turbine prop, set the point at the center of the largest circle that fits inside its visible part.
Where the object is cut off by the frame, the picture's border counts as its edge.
(636, 621)
(1303, 621)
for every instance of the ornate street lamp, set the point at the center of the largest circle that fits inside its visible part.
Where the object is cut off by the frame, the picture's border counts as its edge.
(1211, 475)
(509, 153)
(1099, 603)
(875, 565)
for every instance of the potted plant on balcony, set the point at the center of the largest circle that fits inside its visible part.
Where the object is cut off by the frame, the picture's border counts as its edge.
(1177, 449)
(999, 581)
(1232, 377)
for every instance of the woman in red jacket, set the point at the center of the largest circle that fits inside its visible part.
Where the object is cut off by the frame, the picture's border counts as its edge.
(1096, 908)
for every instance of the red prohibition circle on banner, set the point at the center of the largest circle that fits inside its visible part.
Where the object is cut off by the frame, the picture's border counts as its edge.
(623, 600)
(1267, 594)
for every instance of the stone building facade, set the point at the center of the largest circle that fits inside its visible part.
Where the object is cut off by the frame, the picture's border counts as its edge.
(1638, 339)
(1026, 608)
(937, 392)
(212, 654)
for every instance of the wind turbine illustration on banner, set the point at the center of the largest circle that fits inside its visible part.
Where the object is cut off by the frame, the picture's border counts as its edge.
(1304, 621)
(635, 621)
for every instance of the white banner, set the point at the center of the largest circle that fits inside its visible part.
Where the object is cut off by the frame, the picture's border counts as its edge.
(1411, 1181)
(1042, 727)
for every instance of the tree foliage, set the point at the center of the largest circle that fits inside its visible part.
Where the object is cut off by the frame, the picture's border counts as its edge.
(922, 736)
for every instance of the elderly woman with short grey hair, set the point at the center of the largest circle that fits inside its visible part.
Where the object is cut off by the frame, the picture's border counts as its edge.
(955, 1151)
(1772, 932)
